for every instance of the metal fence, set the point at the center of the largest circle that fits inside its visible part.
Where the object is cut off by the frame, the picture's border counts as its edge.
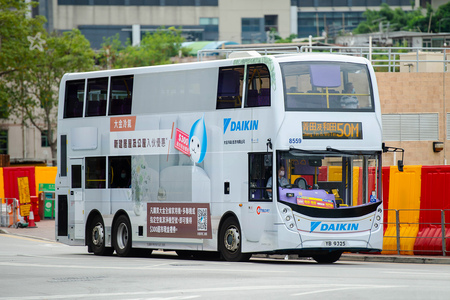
(389, 59)
(383, 59)
(421, 238)
(9, 212)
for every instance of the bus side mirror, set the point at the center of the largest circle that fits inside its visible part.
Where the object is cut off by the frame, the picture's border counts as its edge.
(400, 165)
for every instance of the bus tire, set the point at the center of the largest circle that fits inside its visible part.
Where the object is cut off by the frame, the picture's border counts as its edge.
(230, 241)
(96, 239)
(122, 236)
(328, 258)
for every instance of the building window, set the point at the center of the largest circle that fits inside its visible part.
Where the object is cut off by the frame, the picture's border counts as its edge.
(44, 139)
(251, 25)
(271, 22)
(253, 31)
(3, 141)
(209, 21)
(410, 127)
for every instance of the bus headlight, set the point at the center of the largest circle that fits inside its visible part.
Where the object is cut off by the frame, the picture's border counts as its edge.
(376, 225)
(288, 218)
(285, 210)
(378, 218)
(291, 225)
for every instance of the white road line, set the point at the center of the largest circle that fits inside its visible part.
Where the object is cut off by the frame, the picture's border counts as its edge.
(417, 273)
(343, 289)
(204, 290)
(156, 267)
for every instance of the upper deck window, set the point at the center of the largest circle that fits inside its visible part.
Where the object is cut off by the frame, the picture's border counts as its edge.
(258, 86)
(74, 98)
(333, 86)
(121, 95)
(229, 90)
(96, 100)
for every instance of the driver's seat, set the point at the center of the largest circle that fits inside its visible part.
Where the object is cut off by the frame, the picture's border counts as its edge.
(301, 183)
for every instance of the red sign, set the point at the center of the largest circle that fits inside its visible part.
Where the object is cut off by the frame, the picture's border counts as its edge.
(179, 220)
(182, 142)
(124, 123)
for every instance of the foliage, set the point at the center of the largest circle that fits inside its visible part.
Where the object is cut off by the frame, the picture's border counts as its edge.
(443, 17)
(289, 39)
(396, 19)
(32, 64)
(155, 49)
(69, 52)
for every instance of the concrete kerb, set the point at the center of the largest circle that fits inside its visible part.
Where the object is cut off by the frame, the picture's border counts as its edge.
(46, 232)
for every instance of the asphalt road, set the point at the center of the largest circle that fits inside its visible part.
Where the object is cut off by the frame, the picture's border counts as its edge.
(42, 269)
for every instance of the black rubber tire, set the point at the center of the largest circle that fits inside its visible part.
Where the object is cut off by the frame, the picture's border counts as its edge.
(121, 238)
(96, 238)
(230, 241)
(328, 258)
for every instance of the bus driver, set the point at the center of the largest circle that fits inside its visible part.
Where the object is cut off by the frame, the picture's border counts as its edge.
(281, 180)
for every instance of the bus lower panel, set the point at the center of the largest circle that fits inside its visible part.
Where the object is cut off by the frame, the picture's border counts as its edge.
(319, 251)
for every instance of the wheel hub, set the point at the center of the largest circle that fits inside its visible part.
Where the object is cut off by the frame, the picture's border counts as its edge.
(98, 234)
(122, 236)
(232, 239)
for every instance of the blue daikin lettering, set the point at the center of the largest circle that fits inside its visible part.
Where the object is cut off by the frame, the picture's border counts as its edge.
(314, 225)
(249, 125)
(334, 226)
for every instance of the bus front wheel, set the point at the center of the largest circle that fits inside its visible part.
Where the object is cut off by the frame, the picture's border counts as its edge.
(230, 241)
(96, 240)
(122, 236)
(328, 258)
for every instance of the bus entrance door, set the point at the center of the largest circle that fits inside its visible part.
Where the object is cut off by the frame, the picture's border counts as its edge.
(76, 199)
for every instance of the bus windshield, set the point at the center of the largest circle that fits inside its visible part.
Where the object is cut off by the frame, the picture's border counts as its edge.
(333, 86)
(327, 179)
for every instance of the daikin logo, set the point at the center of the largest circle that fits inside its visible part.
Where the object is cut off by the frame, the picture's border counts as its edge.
(239, 125)
(334, 227)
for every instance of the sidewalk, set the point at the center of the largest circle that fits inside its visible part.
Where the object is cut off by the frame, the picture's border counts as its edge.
(45, 230)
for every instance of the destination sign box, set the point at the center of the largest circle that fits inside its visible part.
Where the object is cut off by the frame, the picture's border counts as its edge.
(332, 130)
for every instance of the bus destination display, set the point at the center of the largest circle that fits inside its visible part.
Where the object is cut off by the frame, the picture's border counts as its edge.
(332, 130)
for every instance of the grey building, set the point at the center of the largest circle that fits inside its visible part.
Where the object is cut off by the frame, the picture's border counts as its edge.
(241, 21)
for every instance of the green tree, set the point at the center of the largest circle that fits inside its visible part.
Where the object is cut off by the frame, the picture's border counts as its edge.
(289, 39)
(155, 49)
(442, 18)
(15, 54)
(69, 52)
(32, 64)
(110, 51)
(396, 19)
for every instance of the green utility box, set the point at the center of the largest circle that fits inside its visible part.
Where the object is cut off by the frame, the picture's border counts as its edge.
(47, 196)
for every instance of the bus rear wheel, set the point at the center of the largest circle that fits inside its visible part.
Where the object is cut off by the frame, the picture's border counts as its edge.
(230, 244)
(328, 258)
(122, 236)
(96, 240)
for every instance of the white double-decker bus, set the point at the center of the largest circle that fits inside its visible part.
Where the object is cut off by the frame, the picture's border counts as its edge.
(181, 157)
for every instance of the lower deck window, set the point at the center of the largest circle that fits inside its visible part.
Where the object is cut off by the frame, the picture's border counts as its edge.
(119, 172)
(95, 172)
